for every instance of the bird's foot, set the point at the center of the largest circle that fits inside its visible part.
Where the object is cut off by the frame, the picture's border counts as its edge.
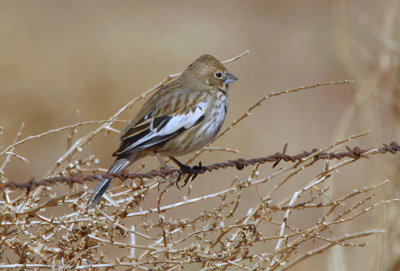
(190, 172)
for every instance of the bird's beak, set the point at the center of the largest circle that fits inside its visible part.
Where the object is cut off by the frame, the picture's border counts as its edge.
(230, 78)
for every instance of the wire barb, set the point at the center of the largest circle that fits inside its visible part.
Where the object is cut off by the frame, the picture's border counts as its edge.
(355, 153)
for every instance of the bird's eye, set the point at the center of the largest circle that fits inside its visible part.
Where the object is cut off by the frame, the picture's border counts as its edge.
(218, 75)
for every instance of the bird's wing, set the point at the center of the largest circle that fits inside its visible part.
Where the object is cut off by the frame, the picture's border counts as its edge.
(167, 117)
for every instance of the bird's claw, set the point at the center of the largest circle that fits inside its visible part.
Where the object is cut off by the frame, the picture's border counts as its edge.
(191, 173)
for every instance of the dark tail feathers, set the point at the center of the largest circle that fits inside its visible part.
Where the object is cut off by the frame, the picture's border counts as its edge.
(98, 193)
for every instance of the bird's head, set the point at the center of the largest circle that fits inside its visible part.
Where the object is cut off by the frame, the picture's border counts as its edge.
(209, 72)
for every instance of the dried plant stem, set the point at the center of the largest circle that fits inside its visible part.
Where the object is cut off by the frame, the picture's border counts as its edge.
(259, 102)
(329, 245)
(220, 229)
(9, 151)
(81, 142)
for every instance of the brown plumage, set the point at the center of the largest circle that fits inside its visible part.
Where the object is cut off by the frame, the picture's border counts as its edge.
(181, 117)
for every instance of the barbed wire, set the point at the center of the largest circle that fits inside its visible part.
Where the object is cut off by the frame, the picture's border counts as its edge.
(355, 153)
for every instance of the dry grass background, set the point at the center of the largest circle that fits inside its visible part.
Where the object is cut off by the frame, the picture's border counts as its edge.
(61, 57)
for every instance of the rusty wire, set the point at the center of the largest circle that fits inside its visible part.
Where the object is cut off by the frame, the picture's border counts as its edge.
(355, 153)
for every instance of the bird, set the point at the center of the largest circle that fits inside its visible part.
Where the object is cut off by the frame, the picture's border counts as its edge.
(181, 117)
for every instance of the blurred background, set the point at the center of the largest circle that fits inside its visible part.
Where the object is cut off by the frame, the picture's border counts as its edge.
(63, 62)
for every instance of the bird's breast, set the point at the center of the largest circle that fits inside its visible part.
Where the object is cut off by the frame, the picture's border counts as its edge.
(204, 132)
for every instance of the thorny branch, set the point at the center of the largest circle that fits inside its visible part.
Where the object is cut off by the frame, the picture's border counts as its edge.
(220, 237)
(226, 234)
(262, 100)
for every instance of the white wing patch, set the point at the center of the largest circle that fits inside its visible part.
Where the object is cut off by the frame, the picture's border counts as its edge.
(173, 125)
(184, 121)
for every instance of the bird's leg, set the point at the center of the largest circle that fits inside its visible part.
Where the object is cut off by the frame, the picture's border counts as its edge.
(164, 166)
(162, 162)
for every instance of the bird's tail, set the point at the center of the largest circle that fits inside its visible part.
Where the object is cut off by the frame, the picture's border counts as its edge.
(119, 164)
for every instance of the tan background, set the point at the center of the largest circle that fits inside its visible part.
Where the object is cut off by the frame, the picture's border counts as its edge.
(58, 57)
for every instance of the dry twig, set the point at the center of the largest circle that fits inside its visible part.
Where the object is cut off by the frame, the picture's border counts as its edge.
(224, 233)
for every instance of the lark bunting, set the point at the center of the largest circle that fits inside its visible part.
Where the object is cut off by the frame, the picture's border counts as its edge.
(179, 118)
